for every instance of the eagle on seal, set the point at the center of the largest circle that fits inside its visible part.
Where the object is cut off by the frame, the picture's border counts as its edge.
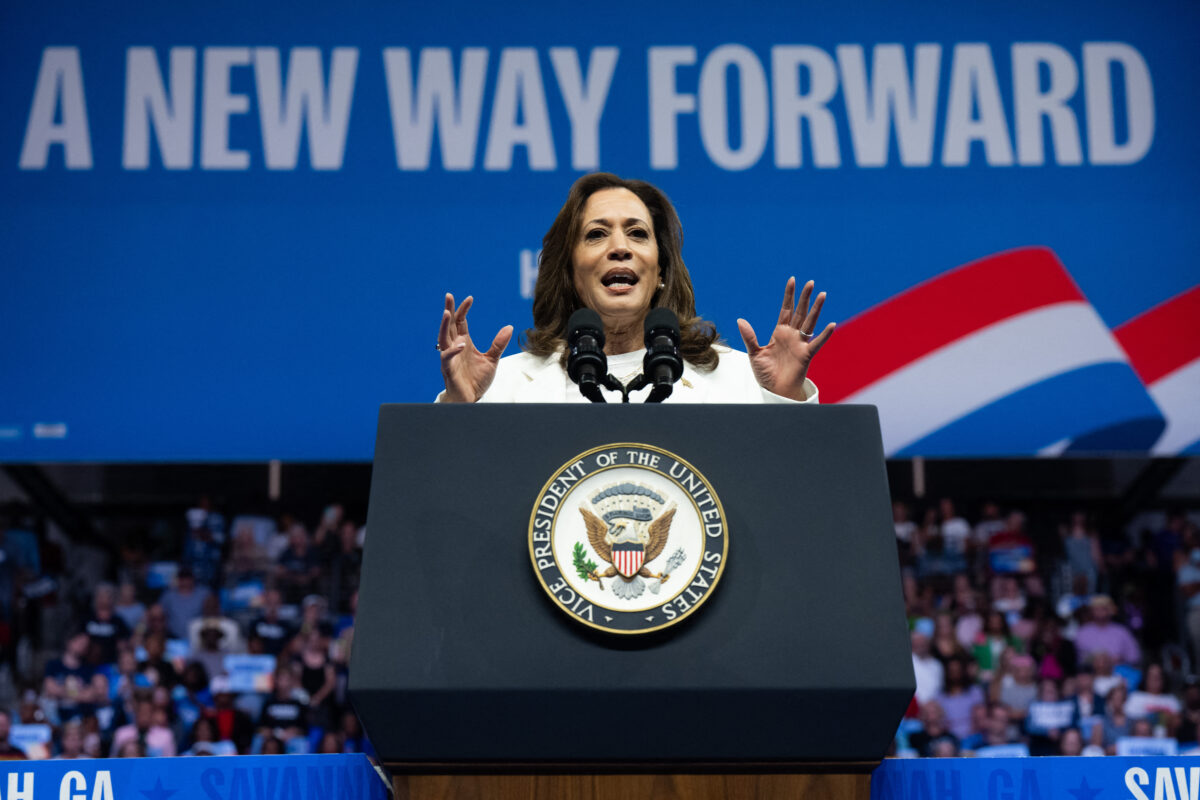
(603, 537)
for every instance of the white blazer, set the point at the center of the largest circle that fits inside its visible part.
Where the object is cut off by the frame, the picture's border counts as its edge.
(525, 378)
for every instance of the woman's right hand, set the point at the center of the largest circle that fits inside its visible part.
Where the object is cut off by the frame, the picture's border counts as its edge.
(467, 372)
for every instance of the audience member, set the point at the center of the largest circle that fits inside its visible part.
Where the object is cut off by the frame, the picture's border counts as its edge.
(1188, 581)
(156, 668)
(105, 627)
(1116, 722)
(154, 739)
(71, 684)
(211, 654)
(1072, 604)
(1088, 702)
(977, 737)
(990, 643)
(128, 607)
(990, 523)
(905, 528)
(201, 550)
(933, 729)
(1000, 729)
(928, 669)
(317, 678)
(274, 632)
(345, 563)
(955, 531)
(71, 741)
(231, 723)
(1071, 743)
(1101, 633)
(211, 616)
(191, 695)
(1055, 655)
(1104, 675)
(183, 603)
(298, 567)
(1154, 702)
(154, 623)
(945, 645)
(8, 751)
(959, 696)
(1082, 546)
(1019, 688)
(1048, 719)
(284, 715)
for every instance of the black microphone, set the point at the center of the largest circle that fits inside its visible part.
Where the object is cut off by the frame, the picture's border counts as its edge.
(586, 363)
(663, 365)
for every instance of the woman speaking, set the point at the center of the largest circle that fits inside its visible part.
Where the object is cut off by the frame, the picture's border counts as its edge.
(615, 248)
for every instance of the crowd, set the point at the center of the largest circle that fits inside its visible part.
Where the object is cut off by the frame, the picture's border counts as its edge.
(238, 643)
(221, 638)
(1061, 641)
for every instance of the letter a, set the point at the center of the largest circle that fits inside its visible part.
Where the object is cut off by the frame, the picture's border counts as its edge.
(60, 79)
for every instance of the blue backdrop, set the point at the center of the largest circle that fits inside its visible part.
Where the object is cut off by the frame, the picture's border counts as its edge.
(227, 229)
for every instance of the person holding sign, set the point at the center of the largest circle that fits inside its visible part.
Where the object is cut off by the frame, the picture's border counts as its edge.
(615, 248)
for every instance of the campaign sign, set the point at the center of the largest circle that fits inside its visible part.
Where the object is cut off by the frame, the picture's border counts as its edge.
(250, 673)
(320, 777)
(1048, 716)
(228, 236)
(32, 738)
(1146, 746)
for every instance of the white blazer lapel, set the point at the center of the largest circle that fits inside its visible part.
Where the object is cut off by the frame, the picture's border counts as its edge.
(692, 386)
(544, 382)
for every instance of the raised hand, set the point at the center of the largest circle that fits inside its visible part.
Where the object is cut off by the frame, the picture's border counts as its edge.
(467, 372)
(781, 365)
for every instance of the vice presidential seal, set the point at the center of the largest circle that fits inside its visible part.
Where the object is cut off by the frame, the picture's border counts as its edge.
(628, 538)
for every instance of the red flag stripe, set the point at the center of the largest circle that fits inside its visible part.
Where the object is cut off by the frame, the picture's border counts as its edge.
(1164, 338)
(935, 313)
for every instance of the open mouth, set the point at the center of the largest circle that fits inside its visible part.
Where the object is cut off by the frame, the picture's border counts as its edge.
(619, 277)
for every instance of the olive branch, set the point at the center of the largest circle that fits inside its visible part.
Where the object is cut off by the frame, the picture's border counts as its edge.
(584, 565)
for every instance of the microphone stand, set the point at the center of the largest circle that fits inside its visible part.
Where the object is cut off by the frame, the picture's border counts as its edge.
(660, 392)
(590, 388)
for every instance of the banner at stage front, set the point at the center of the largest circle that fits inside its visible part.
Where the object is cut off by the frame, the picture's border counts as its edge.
(228, 236)
(1050, 778)
(318, 777)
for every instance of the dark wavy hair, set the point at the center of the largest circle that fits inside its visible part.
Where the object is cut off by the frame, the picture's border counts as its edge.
(554, 295)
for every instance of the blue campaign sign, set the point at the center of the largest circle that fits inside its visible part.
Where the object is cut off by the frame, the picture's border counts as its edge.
(1144, 778)
(227, 235)
(322, 777)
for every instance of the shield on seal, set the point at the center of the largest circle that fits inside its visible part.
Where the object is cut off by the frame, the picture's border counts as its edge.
(628, 557)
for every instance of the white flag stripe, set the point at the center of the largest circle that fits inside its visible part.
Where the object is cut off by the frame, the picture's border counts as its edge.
(980, 368)
(1178, 395)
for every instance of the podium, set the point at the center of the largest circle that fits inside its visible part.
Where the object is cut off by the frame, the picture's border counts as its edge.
(471, 680)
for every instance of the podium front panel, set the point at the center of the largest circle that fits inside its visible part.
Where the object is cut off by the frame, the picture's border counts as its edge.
(800, 654)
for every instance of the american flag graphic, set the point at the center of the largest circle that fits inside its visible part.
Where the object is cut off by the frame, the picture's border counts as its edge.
(628, 557)
(1163, 344)
(1006, 356)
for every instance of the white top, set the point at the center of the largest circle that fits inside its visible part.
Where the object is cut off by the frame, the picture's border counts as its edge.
(955, 532)
(930, 676)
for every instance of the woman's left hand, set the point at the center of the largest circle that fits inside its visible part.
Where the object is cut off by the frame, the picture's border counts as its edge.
(781, 365)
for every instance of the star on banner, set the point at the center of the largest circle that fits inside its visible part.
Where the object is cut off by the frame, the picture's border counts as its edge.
(158, 792)
(1084, 792)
